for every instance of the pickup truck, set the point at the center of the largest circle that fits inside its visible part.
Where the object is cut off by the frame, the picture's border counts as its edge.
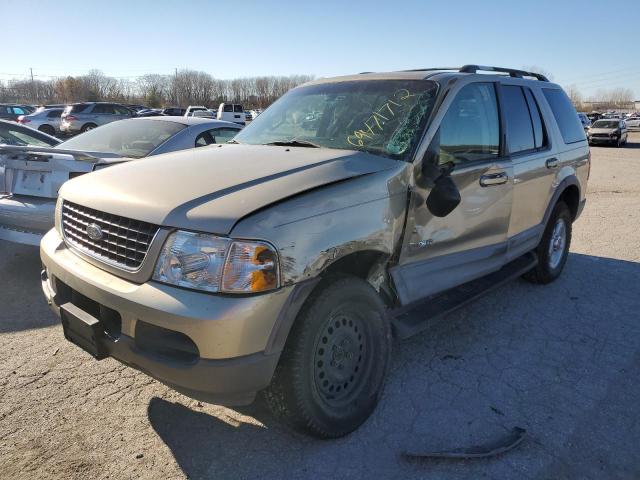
(352, 211)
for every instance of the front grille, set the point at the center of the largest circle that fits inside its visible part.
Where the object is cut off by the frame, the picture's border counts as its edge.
(124, 243)
(600, 135)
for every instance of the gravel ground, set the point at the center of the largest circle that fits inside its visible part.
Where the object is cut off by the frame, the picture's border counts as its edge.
(552, 359)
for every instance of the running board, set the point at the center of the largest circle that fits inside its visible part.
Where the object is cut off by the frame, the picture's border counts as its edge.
(408, 321)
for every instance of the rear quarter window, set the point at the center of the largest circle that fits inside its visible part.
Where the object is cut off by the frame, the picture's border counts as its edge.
(565, 115)
(79, 108)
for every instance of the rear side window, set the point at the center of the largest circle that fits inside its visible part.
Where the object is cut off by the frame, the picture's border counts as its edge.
(79, 108)
(519, 126)
(227, 108)
(565, 115)
(54, 114)
(470, 129)
(539, 132)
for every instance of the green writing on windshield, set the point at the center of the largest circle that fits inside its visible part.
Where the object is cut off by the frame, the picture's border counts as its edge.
(375, 125)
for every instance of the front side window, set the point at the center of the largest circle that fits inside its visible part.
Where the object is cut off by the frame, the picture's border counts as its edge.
(565, 114)
(134, 138)
(223, 135)
(382, 117)
(470, 130)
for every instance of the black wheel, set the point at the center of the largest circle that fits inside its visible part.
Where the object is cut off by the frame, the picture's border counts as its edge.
(87, 127)
(553, 249)
(48, 129)
(332, 370)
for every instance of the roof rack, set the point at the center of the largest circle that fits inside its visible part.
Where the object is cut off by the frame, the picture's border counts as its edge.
(511, 71)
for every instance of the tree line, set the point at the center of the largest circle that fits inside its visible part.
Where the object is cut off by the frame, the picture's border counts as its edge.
(186, 87)
(603, 99)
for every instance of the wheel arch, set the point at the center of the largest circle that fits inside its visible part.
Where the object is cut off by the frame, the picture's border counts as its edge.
(569, 192)
(368, 265)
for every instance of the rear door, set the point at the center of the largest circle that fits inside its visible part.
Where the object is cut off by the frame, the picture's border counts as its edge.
(470, 242)
(534, 164)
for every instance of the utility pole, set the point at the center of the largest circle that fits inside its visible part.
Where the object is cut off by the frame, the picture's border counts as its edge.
(33, 86)
(175, 86)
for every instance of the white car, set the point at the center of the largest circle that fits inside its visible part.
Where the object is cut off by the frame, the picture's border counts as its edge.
(47, 120)
(191, 109)
(232, 112)
(633, 122)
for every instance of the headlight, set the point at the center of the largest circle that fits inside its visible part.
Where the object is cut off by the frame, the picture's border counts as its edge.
(215, 264)
(57, 216)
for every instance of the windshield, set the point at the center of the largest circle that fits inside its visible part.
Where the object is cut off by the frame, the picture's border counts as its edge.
(127, 138)
(382, 117)
(606, 124)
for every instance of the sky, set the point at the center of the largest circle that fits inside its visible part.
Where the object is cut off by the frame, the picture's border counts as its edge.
(590, 44)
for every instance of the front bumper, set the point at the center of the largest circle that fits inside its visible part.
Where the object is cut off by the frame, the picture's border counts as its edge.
(25, 219)
(231, 333)
(603, 139)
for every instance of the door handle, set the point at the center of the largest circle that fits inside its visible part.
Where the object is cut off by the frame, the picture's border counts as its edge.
(493, 179)
(552, 163)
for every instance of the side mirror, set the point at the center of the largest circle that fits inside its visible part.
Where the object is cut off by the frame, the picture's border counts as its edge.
(444, 196)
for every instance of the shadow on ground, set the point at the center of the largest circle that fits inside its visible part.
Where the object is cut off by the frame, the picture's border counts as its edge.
(22, 303)
(553, 359)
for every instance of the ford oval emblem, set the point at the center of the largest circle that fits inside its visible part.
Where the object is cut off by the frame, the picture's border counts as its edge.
(94, 232)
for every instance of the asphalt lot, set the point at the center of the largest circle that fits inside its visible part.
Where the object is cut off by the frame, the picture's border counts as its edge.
(559, 360)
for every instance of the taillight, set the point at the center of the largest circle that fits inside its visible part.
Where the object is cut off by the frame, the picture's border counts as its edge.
(70, 118)
(21, 119)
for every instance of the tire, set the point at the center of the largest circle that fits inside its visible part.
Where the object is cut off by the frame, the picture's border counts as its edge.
(48, 129)
(87, 126)
(553, 249)
(332, 370)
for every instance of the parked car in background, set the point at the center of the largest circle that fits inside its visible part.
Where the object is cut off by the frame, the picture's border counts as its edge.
(9, 111)
(285, 262)
(135, 108)
(81, 117)
(194, 108)
(26, 209)
(232, 112)
(12, 133)
(584, 120)
(612, 131)
(46, 120)
(150, 112)
(203, 114)
(174, 111)
(633, 122)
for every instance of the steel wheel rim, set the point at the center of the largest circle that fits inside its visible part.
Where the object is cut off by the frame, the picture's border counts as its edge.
(557, 243)
(340, 359)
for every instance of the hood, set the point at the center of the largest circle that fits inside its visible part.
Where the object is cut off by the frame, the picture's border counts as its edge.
(209, 189)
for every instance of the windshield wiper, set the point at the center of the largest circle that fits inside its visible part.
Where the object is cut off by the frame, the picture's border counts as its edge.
(293, 143)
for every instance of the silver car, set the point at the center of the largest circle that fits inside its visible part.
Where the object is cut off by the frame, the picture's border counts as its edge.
(46, 120)
(81, 117)
(30, 177)
(610, 131)
(284, 262)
